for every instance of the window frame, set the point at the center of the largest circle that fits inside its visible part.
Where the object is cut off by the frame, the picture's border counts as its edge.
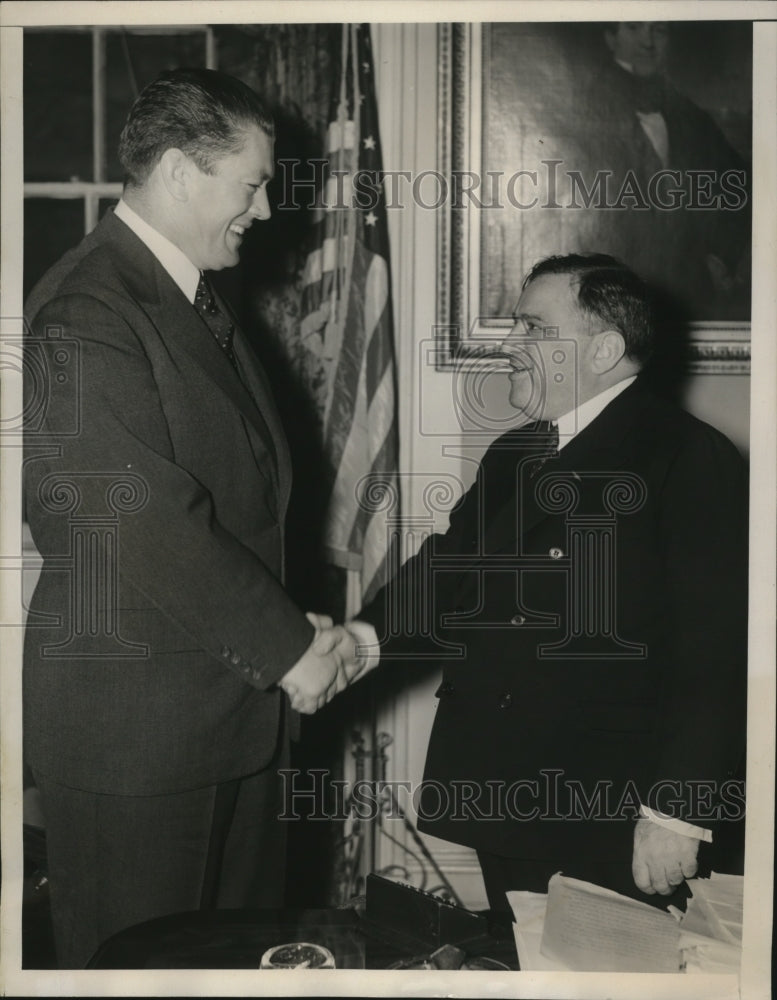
(91, 192)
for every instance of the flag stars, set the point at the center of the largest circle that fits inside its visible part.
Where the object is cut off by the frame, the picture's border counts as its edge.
(371, 219)
(369, 142)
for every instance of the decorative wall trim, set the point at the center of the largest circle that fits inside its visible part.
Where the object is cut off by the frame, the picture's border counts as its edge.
(719, 349)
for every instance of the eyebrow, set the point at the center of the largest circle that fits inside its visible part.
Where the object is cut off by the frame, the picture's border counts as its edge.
(525, 316)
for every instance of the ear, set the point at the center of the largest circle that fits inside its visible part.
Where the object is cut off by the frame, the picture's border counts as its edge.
(609, 348)
(175, 171)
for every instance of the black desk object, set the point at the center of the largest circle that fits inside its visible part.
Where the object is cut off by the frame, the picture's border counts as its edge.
(419, 917)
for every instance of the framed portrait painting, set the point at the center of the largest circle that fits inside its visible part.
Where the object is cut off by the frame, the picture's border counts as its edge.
(629, 138)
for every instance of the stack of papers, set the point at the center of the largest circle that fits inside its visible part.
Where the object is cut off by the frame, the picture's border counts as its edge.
(529, 913)
(579, 926)
(711, 930)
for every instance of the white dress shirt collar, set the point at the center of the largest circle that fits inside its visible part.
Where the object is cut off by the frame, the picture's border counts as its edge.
(172, 259)
(572, 423)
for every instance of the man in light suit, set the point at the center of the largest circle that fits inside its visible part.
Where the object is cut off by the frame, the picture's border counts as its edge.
(160, 635)
(589, 604)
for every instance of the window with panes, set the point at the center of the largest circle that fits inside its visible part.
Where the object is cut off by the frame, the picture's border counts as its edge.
(79, 84)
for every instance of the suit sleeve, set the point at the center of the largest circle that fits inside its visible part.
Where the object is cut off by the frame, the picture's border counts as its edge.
(703, 537)
(407, 612)
(173, 548)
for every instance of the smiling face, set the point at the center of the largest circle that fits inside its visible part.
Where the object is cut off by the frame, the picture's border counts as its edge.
(550, 350)
(221, 205)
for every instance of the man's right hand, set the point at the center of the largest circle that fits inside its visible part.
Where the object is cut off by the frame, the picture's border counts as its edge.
(320, 673)
(330, 663)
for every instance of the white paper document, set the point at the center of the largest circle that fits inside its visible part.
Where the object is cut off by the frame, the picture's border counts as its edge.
(590, 929)
(529, 912)
(583, 927)
(711, 930)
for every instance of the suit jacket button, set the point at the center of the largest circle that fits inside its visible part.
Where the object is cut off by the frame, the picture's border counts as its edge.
(445, 688)
(518, 620)
(556, 553)
(506, 700)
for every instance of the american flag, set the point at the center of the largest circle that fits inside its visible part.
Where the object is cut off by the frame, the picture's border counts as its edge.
(347, 323)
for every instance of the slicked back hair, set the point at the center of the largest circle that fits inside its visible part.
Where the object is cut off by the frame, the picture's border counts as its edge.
(610, 293)
(202, 112)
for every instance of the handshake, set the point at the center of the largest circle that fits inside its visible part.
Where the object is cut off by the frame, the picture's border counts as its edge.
(338, 656)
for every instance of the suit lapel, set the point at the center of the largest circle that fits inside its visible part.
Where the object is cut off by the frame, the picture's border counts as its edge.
(253, 377)
(599, 445)
(178, 319)
(174, 315)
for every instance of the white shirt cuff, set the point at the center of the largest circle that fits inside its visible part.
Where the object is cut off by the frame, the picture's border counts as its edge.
(678, 825)
(367, 644)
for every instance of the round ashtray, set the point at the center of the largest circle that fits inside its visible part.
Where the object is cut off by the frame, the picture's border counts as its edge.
(297, 955)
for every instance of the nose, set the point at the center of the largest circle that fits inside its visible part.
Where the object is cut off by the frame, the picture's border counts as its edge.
(516, 337)
(260, 207)
(518, 348)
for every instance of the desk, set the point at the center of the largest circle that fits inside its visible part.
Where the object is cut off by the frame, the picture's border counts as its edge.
(236, 939)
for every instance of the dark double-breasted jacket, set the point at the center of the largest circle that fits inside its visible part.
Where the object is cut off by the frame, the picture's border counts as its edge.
(591, 619)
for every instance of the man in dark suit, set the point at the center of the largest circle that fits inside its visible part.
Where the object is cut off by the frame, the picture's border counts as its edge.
(663, 151)
(157, 480)
(588, 602)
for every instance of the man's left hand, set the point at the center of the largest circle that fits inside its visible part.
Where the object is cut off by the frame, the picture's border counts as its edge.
(662, 858)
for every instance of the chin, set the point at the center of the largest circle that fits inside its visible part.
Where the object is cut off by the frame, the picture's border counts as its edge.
(225, 261)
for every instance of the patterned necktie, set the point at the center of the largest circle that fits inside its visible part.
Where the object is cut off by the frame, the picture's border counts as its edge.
(218, 323)
(547, 445)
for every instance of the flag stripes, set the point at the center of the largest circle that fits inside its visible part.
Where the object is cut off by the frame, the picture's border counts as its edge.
(347, 322)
